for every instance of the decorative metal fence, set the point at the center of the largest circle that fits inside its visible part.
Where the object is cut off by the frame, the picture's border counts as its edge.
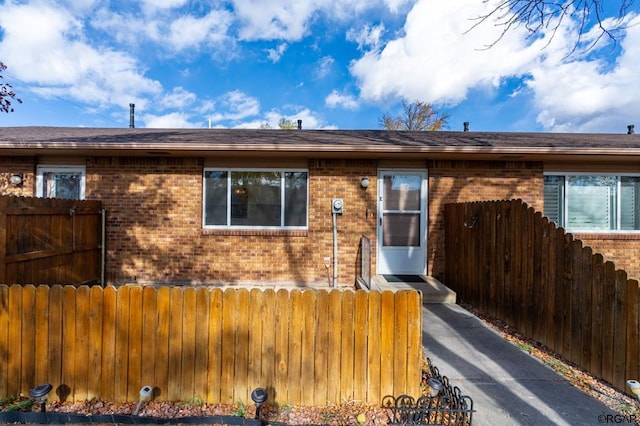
(448, 407)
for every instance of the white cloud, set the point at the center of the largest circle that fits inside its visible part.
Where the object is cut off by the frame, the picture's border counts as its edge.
(188, 31)
(237, 106)
(152, 5)
(290, 20)
(275, 54)
(174, 120)
(56, 59)
(285, 20)
(438, 60)
(589, 95)
(335, 100)
(179, 98)
(325, 64)
(368, 37)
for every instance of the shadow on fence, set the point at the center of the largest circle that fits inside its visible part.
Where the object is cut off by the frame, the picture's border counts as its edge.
(513, 264)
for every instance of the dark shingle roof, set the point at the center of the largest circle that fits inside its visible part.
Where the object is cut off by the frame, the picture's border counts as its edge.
(354, 143)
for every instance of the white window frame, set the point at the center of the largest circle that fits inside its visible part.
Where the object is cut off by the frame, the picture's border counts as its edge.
(42, 169)
(283, 171)
(566, 200)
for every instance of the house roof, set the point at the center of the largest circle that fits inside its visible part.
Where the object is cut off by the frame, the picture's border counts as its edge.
(320, 144)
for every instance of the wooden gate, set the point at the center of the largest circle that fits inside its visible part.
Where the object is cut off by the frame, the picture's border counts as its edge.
(50, 241)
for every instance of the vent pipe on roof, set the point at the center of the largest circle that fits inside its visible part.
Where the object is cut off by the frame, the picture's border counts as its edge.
(466, 126)
(131, 116)
(630, 130)
(299, 124)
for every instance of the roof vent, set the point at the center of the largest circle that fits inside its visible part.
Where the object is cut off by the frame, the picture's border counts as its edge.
(466, 126)
(131, 116)
(299, 124)
(630, 130)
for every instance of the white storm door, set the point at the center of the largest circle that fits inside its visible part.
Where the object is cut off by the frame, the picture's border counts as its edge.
(402, 230)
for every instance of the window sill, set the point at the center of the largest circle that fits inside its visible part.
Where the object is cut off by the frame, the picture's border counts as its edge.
(607, 236)
(257, 232)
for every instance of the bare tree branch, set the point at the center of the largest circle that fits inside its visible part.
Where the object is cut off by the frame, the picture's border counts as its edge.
(548, 15)
(7, 95)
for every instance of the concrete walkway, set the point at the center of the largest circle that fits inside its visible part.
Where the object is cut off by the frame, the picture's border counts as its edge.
(508, 386)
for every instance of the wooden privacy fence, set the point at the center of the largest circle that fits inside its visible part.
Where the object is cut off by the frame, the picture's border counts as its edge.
(50, 241)
(305, 347)
(515, 265)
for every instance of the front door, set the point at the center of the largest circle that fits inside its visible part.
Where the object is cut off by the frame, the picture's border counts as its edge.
(402, 231)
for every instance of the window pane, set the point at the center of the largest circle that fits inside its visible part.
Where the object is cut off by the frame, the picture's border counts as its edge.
(401, 230)
(591, 202)
(402, 192)
(215, 183)
(554, 199)
(62, 185)
(255, 198)
(295, 199)
(629, 217)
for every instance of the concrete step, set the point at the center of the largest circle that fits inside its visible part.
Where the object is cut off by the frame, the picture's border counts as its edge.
(433, 291)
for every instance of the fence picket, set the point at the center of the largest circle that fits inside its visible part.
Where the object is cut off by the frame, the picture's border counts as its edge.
(321, 354)
(348, 346)
(150, 330)
(597, 308)
(109, 327)
(308, 347)
(94, 364)
(373, 347)
(122, 344)
(400, 343)
(360, 346)
(4, 337)
(608, 321)
(334, 347)
(620, 327)
(228, 346)
(268, 355)
(161, 371)
(54, 366)
(201, 343)
(81, 352)
(282, 342)
(632, 320)
(215, 346)
(27, 338)
(295, 346)
(135, 344)
(187, 360)
(387, 343)
(256, 323)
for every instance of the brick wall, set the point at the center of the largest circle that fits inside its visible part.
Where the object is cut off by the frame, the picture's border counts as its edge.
(621, 249)
(155, 233)
(464, 181)
(17, 165)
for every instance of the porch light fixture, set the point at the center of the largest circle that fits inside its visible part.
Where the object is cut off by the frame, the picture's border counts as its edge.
(634, 385)
(39, 393)
(16, 179)
(364, 182)
(259, 396)
(435, 386)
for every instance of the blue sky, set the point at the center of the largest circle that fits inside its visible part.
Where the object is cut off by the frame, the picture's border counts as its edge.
(332, 64)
